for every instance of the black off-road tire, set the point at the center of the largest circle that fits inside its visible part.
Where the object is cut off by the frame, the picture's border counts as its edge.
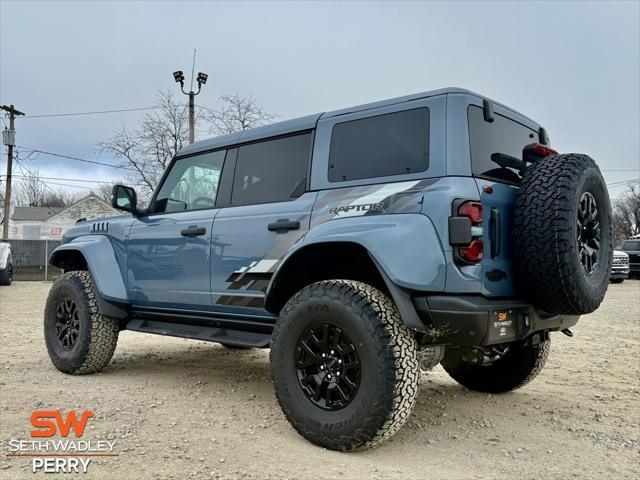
(6, 275)
(519, 365)
(546, 235)
(387, 352)
(97, 336)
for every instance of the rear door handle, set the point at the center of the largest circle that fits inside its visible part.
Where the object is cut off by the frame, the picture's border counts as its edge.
(283, 225)
(193, 231)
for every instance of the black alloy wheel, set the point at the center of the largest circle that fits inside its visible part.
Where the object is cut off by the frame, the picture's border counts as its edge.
(328, 366)
(588, 232)
(67, 323)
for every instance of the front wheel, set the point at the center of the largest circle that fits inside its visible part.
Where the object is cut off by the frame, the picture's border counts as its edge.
(344, 367)
(79, 339)
(496, 369)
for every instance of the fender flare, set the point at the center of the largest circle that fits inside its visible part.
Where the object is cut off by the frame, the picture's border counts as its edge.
(418, 263)
(103, 265)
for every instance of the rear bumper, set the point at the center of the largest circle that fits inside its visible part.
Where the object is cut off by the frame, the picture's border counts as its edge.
(473, 320)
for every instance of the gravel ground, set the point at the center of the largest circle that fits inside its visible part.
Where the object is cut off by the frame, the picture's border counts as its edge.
(185, 409)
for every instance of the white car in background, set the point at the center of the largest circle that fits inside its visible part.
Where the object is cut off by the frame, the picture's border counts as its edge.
(619, 267)
(6, 264)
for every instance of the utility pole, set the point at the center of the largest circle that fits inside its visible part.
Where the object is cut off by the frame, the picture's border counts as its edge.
(202, 79)
(9, 139)
(192, 117)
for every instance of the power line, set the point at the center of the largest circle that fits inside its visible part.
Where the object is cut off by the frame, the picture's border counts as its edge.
(623, 182)
(68, 157)
(72, 179)
(45, 183)
(95, 112)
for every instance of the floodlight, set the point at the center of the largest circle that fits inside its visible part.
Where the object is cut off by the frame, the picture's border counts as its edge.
(178, 76)
(202, 78)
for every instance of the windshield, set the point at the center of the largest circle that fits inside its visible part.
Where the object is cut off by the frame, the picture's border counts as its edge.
(496, 147)
(631, 245)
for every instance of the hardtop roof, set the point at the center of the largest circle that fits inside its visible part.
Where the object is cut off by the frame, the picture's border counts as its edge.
(309, 122)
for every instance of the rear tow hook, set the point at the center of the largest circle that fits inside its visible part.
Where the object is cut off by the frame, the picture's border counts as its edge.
(567, 332)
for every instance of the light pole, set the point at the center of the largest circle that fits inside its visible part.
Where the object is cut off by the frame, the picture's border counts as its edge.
(202, 79)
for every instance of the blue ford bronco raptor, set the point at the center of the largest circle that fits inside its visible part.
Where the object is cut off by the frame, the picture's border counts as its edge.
(361, 246)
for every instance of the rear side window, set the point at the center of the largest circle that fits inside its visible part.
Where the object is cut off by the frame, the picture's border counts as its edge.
(271, 171)
(392, 144)
(502, 136)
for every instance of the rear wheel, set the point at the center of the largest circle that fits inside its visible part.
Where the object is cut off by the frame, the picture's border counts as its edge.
(344, 367)
(496, 369)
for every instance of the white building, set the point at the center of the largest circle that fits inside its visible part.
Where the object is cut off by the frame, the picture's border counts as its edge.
(50, 223)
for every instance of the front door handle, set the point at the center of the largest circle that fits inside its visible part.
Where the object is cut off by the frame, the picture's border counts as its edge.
(193, 231)
(284, 224)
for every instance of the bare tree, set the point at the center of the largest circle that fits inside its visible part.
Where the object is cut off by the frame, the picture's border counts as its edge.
(626, 214)
(62, 198)
(30, 190)
(237, 113)
(146, 149)
(58, 198)
(105, 191)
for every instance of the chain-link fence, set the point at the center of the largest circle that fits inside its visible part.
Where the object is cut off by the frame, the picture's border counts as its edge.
(31, 259)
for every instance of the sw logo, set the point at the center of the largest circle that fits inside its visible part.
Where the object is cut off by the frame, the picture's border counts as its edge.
(45, 427)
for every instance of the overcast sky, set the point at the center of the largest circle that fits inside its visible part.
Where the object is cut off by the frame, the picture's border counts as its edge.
(574, 67)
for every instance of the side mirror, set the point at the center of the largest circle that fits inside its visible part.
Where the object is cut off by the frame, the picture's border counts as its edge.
(125, 199)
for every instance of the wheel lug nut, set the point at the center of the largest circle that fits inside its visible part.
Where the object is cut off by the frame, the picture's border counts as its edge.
(321, 367)
(332, 352)
(324, 355)
(329, 376)
(337, 374)
(339, 360)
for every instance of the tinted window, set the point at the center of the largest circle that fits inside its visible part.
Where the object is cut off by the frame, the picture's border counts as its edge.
(392, 144)
(502, 136)
(632, 245)
(191, 184)
(271, 171)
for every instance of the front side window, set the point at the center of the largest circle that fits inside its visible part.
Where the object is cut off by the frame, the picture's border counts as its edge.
(391, 144)
(496, 147)
(191, 184)
(271, 171)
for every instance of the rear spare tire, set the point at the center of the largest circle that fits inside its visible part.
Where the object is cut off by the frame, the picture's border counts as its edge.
(562, 235)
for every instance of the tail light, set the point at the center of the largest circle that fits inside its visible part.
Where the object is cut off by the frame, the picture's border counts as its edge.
(536, 151)
(464, 229)
(473, 253)
(472, 210)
